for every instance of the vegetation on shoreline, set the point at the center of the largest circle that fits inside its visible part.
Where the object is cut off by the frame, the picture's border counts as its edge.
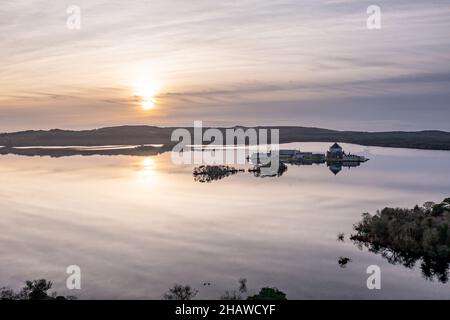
(407, 236)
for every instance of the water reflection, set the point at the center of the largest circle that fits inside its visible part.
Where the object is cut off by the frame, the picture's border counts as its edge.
(268, 171)
(213, 173)
(148, 163)
(137, 226)
(147, 171)
(70, 151)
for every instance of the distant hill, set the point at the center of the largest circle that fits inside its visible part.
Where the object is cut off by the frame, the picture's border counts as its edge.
(137, 135)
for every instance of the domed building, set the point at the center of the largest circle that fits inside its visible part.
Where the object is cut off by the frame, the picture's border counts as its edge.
(335, 152)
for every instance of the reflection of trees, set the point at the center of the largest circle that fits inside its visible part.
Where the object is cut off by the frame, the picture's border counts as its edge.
(212, 173)
(343, 261)
(267, 171)
(406, 236)
(281, 169)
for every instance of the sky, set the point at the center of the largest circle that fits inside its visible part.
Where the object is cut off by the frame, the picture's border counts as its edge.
(247, 62)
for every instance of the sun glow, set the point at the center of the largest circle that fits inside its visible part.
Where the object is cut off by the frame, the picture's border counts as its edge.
(148, 103)
(146, 91)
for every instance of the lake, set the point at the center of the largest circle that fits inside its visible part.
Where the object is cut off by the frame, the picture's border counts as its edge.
(138, 225)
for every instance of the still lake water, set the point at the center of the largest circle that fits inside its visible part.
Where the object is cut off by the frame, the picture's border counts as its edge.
(138, 225)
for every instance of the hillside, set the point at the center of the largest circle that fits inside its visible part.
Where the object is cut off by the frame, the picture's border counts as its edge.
(136, 135)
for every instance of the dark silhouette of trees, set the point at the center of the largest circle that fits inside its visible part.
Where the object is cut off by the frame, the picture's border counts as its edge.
(33, 290)
(269, 294)
(406, 236)
(343, 261)
(236, 295)
(180, 292)
(213, 173)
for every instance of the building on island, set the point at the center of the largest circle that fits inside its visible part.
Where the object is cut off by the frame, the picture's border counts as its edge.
(335, 158)
(335, 152)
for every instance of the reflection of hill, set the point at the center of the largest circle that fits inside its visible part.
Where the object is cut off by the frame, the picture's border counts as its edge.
(406, 236)
(67, 152)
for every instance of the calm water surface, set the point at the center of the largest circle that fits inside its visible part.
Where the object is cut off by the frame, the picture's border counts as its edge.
(138, 225)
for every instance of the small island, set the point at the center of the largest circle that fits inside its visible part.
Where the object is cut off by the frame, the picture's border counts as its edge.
(335, 159)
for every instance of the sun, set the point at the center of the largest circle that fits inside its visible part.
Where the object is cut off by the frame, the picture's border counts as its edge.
(146, 91)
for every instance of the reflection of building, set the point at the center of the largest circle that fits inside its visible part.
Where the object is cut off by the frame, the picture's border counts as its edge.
(336, 166)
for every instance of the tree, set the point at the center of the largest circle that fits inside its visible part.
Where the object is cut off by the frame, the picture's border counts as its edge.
(7, 293)
(36, 290)
(269, 294)
(179, 292)
(33, 290)
(234, 295)
(428, 205)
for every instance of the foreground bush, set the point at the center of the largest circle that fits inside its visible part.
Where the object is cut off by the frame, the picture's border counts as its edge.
(33, 290)
(407, 236)
(269, 294)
